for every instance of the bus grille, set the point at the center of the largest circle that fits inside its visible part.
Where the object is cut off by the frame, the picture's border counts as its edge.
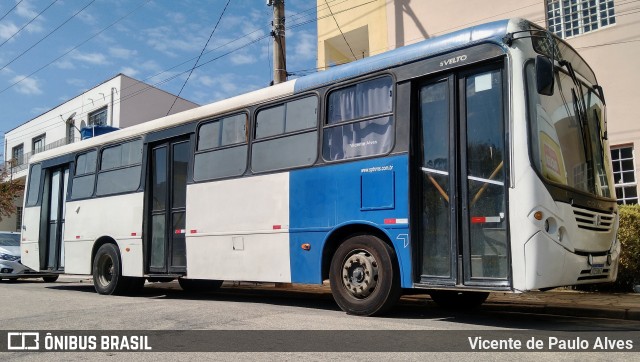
(586, 275)
(592, 220)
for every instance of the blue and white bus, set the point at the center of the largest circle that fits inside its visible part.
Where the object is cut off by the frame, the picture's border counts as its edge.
(472, 162)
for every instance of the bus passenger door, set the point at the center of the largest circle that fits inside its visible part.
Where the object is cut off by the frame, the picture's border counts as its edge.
(166, 206)
(53, 213)
(462, 216)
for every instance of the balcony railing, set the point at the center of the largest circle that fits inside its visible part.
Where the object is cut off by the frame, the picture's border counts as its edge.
(19, 164)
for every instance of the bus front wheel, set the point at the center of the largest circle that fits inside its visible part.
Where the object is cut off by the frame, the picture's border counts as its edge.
(107, 271)
(364, 276)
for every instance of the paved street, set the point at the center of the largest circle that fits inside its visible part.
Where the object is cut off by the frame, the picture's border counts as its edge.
(71, 303)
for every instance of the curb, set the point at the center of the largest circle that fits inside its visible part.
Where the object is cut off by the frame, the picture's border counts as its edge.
(591, 312)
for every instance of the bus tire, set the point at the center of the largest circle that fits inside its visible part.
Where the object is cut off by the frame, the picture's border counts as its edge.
(107, 272)
(460, 300)
(364, 276)
(50, 279)
(199, 285)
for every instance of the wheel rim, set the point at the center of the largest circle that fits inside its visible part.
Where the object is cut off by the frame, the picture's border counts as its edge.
(360, 274)
(105, 270)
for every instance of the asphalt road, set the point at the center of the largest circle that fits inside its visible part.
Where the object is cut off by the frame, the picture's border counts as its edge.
(72, 304)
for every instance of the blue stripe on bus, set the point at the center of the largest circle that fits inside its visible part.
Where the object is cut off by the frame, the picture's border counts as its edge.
(322, 199)
(494, 31)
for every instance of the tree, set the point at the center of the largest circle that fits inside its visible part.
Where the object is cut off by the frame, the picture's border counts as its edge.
(9, 190)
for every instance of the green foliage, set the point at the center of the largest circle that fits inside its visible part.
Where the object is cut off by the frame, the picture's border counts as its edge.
(629, 237)
(9, 190)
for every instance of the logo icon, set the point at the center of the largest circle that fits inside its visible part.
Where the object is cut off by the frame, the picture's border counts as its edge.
(23, 341)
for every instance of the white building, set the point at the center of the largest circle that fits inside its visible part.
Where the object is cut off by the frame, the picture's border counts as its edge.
(118, 102)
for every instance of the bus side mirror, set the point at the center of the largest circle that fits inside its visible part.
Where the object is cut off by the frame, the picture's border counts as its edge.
(544, 76)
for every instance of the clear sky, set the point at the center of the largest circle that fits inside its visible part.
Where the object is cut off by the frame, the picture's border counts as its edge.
(74, 45)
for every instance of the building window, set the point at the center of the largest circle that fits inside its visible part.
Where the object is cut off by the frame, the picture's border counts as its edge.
(18, 218)
(98, 118)
(624, 175)
(17, 155)
(567, 18)
(38, 144)
(71, 133)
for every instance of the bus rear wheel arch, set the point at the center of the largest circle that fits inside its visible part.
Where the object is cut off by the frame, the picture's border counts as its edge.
(364, 276)
(107, 273)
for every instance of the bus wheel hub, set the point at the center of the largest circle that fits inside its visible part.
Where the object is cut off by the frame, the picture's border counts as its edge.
(360, 274)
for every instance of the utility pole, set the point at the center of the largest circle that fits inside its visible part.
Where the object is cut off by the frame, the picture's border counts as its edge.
(279, 49)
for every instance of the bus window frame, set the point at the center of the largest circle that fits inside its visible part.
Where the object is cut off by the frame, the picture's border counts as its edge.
(218, 119)
(317, 128)
(393, 114)
(99, 170)
(75, 175)
(196, 151)
(38, 201)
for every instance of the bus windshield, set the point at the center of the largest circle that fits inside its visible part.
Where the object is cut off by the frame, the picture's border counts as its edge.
(568, 139)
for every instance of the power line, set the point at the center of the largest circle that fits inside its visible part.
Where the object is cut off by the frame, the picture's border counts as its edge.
(296, 15)
(337, 12)
(76, 47)
(612, 43)
(341, 33)
(140, 91)
(199, 56)
(10, 10)
(27, 24)
(46, 36)
(24, 130)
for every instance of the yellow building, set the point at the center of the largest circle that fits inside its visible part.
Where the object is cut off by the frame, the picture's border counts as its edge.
(605, 32)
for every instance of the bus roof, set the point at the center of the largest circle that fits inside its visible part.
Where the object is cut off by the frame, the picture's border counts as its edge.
(489, 32)
(494, 31)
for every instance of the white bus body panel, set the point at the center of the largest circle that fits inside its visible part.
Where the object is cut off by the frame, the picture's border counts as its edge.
(118, 217)
(238, 229)
(552, 254)
(30, 249)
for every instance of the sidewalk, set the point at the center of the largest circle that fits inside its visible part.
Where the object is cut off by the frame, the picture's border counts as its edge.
(571, 303)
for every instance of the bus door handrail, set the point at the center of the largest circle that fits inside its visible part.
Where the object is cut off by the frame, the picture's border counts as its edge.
(486, 183)
(435, 183)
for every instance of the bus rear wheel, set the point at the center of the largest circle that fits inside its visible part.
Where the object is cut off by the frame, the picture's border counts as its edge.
(50, 279)
(364, 276)
(199, 285)
(107, 272)
(452, 299)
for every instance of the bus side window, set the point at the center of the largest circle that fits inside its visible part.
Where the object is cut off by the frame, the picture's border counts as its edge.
(84, 176)
(33, 191)
(222, 149)
(286, 136)
(352, 130)
(120, 168)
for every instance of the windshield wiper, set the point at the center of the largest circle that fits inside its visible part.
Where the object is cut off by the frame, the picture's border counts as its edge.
(580, 110)
(582, 126)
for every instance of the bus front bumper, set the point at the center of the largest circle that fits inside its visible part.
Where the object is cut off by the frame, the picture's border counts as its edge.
(549, 265)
